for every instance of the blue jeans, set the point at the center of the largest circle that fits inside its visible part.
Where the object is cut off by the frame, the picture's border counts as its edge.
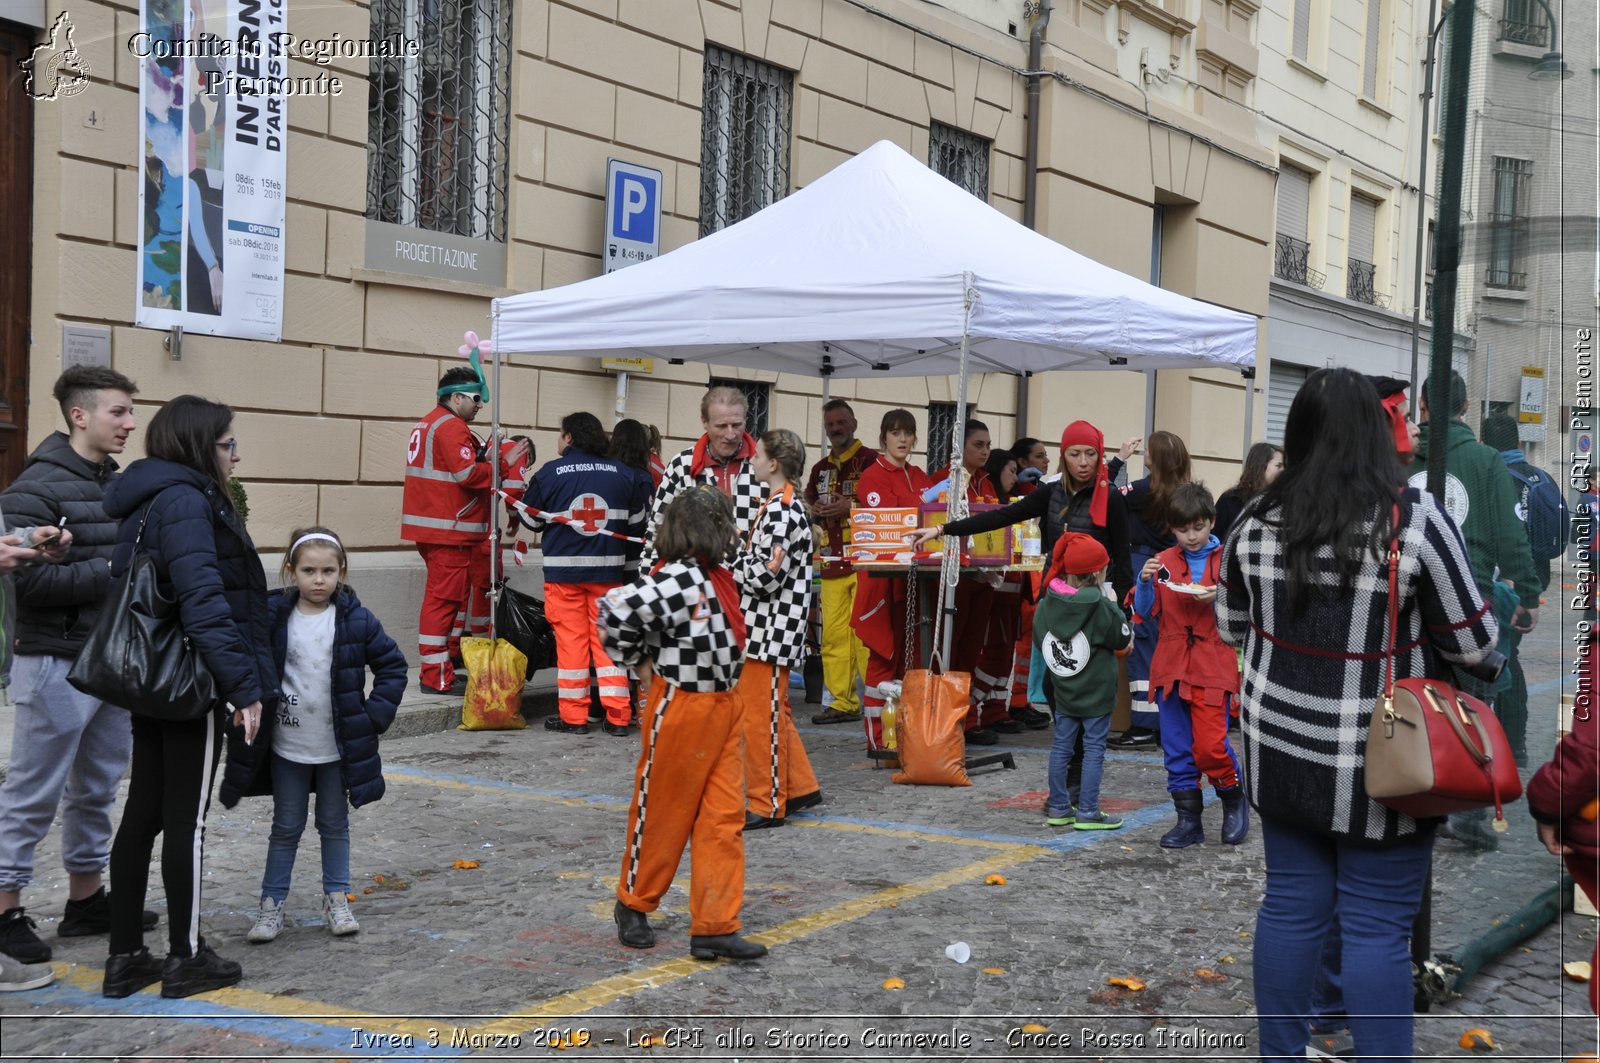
(291, 792)
(1375, 894)
(1095, 729)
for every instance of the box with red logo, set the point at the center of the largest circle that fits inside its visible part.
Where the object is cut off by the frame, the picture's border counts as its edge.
(986, 549)
(878, 537)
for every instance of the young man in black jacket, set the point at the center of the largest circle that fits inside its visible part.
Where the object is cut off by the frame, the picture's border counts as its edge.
(64, 742)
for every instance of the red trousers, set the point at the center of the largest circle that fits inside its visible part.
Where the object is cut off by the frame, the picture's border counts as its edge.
(573, 609)
(776, 767)
(991, 673)
(882, 670)
(458, 581)
(1586, 873)
(688, 789)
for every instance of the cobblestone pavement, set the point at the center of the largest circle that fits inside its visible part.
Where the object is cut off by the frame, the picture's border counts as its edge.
(507, 958)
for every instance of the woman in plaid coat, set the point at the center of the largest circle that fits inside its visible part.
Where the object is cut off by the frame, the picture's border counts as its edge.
(1304, 589)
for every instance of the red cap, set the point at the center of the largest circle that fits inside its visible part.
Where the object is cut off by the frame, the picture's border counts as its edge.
(1076, 554)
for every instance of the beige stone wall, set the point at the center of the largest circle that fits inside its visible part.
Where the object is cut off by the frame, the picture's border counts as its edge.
(323, 414)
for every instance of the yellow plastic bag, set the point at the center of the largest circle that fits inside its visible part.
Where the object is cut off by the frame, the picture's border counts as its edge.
(495, 674)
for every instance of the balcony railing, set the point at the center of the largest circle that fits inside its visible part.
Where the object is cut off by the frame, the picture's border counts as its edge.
(1516, 280)
(1525, 31)
(1360, 280)
(1291, 262)
(1427, 301)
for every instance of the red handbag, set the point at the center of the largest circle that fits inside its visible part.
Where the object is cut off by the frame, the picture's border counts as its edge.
(1431, 749)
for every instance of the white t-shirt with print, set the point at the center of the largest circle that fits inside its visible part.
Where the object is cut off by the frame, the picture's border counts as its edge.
(304, 732)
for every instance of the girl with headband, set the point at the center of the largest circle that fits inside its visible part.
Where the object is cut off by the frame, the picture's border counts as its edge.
(324, 736)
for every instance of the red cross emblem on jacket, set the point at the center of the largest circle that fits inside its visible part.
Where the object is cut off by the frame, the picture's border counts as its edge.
(588, 513)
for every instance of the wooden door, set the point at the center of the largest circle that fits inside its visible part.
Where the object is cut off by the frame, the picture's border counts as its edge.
(16, 247)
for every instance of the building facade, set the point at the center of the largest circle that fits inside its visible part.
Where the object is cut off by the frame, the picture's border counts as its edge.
(475, 166)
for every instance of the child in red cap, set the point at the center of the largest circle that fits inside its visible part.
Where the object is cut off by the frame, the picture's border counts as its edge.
(1079, 632)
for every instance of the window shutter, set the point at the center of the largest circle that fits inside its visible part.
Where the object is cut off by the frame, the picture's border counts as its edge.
(1282, 386)
(1302, 29)
(1294, 202)
(1363, 228)
(1369, 79)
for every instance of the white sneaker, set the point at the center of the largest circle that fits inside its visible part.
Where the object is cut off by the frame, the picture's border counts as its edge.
(16, 975)
(268, 924)
(336, 909)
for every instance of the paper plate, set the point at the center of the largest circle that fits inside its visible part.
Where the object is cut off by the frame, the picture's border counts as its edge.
(1188, 588)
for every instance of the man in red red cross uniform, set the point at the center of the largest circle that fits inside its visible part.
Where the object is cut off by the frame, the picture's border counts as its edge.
(445, 511)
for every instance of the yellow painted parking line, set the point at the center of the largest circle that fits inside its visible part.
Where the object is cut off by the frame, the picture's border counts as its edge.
(83, 976)
(616, 987)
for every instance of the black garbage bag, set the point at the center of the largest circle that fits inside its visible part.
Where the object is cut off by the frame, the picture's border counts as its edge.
(519, 619)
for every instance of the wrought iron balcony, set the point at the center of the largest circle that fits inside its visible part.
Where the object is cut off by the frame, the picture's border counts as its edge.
(1532, 30)
(1291, 259)
(1359, 281)
(1516, 280)
(1427, 301)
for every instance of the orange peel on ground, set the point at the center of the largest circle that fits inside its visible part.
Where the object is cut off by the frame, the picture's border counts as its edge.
(464, 865)
(894, 983)
(1477, 1037)
(1208, 975)
(1034, 1027)
(1578, 970)
(995, 879)
(994, 970)
(1135, 984)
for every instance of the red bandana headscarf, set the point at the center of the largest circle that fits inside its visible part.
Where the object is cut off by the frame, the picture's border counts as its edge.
(1084, 434)
(1076, 554)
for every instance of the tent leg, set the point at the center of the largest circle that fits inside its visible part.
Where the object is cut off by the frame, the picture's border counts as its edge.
(1149, 408)
(494, 463)
(621, 406)
(1249, 409)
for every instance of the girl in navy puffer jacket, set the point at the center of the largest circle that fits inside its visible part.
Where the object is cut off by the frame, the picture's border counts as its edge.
(324, 736)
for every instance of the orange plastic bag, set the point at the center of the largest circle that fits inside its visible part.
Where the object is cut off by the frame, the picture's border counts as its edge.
(928, 725)
(496, 672)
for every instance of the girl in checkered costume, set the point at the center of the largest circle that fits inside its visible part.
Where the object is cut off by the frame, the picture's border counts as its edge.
(681, 629)
(773, 570)
(1304, 589)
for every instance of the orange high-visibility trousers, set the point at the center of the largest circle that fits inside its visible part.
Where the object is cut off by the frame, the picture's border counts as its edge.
(776, 767)
(689, 786)
(573, 609)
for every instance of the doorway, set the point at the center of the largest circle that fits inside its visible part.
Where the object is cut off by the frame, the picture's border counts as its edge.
(16, 247)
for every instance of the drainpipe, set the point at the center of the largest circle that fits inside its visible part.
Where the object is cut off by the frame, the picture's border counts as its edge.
(1030, 181)
(1030, 188)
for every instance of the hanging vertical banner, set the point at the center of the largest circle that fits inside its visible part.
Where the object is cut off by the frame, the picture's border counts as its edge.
(214, 128)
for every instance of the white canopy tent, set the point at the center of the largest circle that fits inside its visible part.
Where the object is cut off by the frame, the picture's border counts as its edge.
(870, 269)
(880, 266)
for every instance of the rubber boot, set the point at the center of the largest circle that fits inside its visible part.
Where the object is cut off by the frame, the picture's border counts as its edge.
(1188, 830)
(1235, 815)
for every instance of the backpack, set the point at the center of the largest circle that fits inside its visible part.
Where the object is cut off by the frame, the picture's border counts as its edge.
(1543, 509)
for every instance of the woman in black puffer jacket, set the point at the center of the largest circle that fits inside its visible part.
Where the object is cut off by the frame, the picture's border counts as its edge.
(176, 504)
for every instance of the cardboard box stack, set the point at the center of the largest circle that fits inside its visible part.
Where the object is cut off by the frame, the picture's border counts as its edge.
(878, 536)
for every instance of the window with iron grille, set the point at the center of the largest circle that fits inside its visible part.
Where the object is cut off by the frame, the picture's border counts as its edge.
(1523, 22)
(941, 426)
(757, 397)
(962, 158)
(1508, 223)
(439, 122)
(1293, 249)
(1361, 272)
(744, 137)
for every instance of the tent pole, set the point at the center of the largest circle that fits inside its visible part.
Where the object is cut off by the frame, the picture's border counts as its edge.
(1249, 375)
(950, 567)
(494, 464)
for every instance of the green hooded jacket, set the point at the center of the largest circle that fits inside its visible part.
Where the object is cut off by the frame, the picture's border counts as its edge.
(1079, 635)
(1481, 498)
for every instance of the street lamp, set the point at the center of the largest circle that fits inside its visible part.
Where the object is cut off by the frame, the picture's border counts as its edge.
(1551, 67)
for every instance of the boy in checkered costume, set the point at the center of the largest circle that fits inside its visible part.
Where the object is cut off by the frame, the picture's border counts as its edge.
(773, 570)
(681, 628)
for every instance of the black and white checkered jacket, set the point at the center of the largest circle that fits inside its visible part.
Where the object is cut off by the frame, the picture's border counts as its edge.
(773, 571)
(1311, 680)
(747, 495)
(674, 619)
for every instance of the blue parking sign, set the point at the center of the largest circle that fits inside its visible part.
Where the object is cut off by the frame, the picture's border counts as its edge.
(633, 214)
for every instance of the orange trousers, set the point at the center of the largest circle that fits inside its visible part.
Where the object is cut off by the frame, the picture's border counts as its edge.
(775, 763)
(573, 609)
(689, 787)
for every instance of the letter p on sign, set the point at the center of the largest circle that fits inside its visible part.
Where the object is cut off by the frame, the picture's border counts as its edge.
(634, 205)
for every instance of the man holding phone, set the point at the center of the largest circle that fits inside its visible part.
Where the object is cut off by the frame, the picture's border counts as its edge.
(65, 743)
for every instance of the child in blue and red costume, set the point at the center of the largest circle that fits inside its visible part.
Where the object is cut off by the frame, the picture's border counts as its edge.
(1194, 674)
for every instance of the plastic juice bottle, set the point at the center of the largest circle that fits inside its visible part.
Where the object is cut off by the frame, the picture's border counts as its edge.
(889, 739)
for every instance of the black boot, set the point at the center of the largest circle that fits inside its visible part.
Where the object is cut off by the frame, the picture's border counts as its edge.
(1188, 830)
(1235, 815)
(732, 946)
(633, 929)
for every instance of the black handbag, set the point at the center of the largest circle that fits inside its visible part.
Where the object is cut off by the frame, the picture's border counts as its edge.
(137, 656)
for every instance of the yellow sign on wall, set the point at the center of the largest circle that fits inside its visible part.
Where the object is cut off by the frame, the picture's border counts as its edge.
(629, 365)
(1531, 409)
